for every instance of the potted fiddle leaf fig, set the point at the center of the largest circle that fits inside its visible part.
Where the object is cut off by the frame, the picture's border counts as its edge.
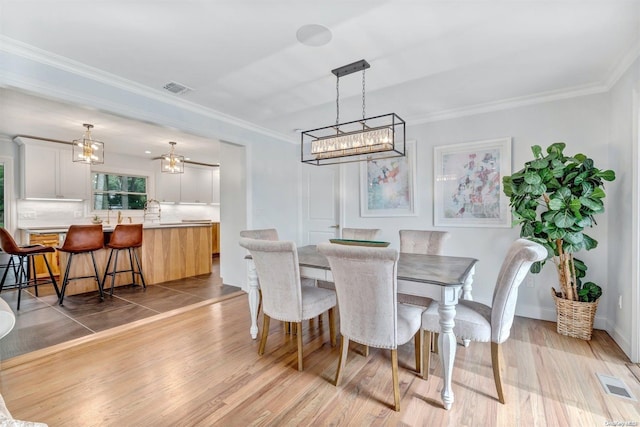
(554, 199)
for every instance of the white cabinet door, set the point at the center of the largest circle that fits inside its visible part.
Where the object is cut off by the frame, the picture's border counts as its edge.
(49, 172)
(196, 185)
(73, 177)
(39, 170)
(168, 187)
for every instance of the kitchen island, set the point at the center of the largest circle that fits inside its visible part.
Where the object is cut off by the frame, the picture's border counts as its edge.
(169, 251)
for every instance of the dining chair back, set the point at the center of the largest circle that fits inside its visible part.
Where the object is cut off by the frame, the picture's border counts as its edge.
(365, 279)
(477, 322)
(263, 234)
(424, 242)
(283, 296)
(360, 233)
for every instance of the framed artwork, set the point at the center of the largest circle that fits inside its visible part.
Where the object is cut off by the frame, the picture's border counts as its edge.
(468, 184)
(387, 185)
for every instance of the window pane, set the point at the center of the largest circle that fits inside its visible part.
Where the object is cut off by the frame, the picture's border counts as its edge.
(112, 191)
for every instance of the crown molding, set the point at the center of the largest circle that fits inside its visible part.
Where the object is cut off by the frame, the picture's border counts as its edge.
(24, 50)
(506, 104)
(617, 71)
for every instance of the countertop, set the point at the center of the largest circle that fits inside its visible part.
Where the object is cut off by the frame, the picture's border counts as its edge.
(109, 227)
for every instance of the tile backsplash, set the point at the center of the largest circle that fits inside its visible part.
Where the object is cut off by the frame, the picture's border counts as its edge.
(38, 213)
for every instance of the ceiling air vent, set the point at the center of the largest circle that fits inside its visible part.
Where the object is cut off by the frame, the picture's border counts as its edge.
(177, 88)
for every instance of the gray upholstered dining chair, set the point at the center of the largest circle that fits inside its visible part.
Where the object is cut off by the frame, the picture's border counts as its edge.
(366, 284)
(360, 233)
(477, 322)
(283, 296)
(423, 242)
(262, 234)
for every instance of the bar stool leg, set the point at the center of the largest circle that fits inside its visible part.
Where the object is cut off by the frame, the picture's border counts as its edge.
(31, 266)
(106, 269)
(26, 275)
(95, 268)
(133, 270)
(115, 270)
(135, 255)
(65, 280)
(4, 276)
(53, 280)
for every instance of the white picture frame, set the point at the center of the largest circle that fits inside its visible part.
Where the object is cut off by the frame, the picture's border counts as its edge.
(387, 186)
(467, 181)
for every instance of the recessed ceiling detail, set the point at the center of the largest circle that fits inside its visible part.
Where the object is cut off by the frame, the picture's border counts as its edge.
(176, 88)
(313, 35)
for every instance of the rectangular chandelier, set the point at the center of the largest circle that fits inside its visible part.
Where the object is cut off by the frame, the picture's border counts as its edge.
(379, 137)
(372, 138)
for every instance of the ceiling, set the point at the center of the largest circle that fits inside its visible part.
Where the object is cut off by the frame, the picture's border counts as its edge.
(429, 59)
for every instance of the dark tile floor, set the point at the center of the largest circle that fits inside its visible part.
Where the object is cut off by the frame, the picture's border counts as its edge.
(41, 322)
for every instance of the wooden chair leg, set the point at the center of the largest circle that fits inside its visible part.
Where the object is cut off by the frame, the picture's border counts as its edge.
(299, 333)
(396, 387)
(265, 332)
(287, 327)
(426, 354)
(496, 356)
(342, 361)
(332, 326)
(418, 350)
(365, 351)
(434, 342)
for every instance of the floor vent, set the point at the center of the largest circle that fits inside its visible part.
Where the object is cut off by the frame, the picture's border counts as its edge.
(615, 387)
(177, 88)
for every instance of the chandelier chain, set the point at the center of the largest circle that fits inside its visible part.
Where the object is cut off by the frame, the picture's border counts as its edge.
(337, 100)
(363, 113)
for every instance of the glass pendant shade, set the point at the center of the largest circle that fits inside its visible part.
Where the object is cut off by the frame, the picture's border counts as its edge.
(88, 150)
(172, 162)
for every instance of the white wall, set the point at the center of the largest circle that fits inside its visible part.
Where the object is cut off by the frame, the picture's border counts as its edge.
(580, 122)
(624, 160)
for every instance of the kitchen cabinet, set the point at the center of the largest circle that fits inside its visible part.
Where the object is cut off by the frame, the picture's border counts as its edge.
(168, 187)
(48, 172)
(195, 185)
(215, 238)
(51, 240)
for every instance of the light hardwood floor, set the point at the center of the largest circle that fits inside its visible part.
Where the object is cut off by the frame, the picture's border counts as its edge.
(201, 367)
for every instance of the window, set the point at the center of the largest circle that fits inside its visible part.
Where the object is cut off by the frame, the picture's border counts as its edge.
(111, 191)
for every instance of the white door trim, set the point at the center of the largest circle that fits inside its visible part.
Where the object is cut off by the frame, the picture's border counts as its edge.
(635, 249)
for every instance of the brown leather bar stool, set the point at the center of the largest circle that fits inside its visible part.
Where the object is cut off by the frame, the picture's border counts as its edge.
(129, 237)
(82, 239)
(25, 277)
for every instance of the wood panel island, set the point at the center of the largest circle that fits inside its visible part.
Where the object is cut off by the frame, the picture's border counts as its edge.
(169, 251)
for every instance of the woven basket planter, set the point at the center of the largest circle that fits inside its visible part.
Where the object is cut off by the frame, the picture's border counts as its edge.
(575, 318)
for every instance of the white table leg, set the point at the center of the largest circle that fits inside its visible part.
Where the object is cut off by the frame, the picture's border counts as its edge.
(466, 294)
(254, 297)
(447, 341)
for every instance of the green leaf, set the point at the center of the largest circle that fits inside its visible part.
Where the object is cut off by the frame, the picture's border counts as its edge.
(580, 157)
(532, 178)
(537, 151)
(607, 175)
(539, 164)
(556, 204)
(557, 148)
(587, 189)
(594, 205)
(589, 243)
(574, 238)
(598, 193)
(564, 220)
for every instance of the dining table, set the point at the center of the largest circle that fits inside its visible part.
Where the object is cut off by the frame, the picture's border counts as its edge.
(439, 277)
